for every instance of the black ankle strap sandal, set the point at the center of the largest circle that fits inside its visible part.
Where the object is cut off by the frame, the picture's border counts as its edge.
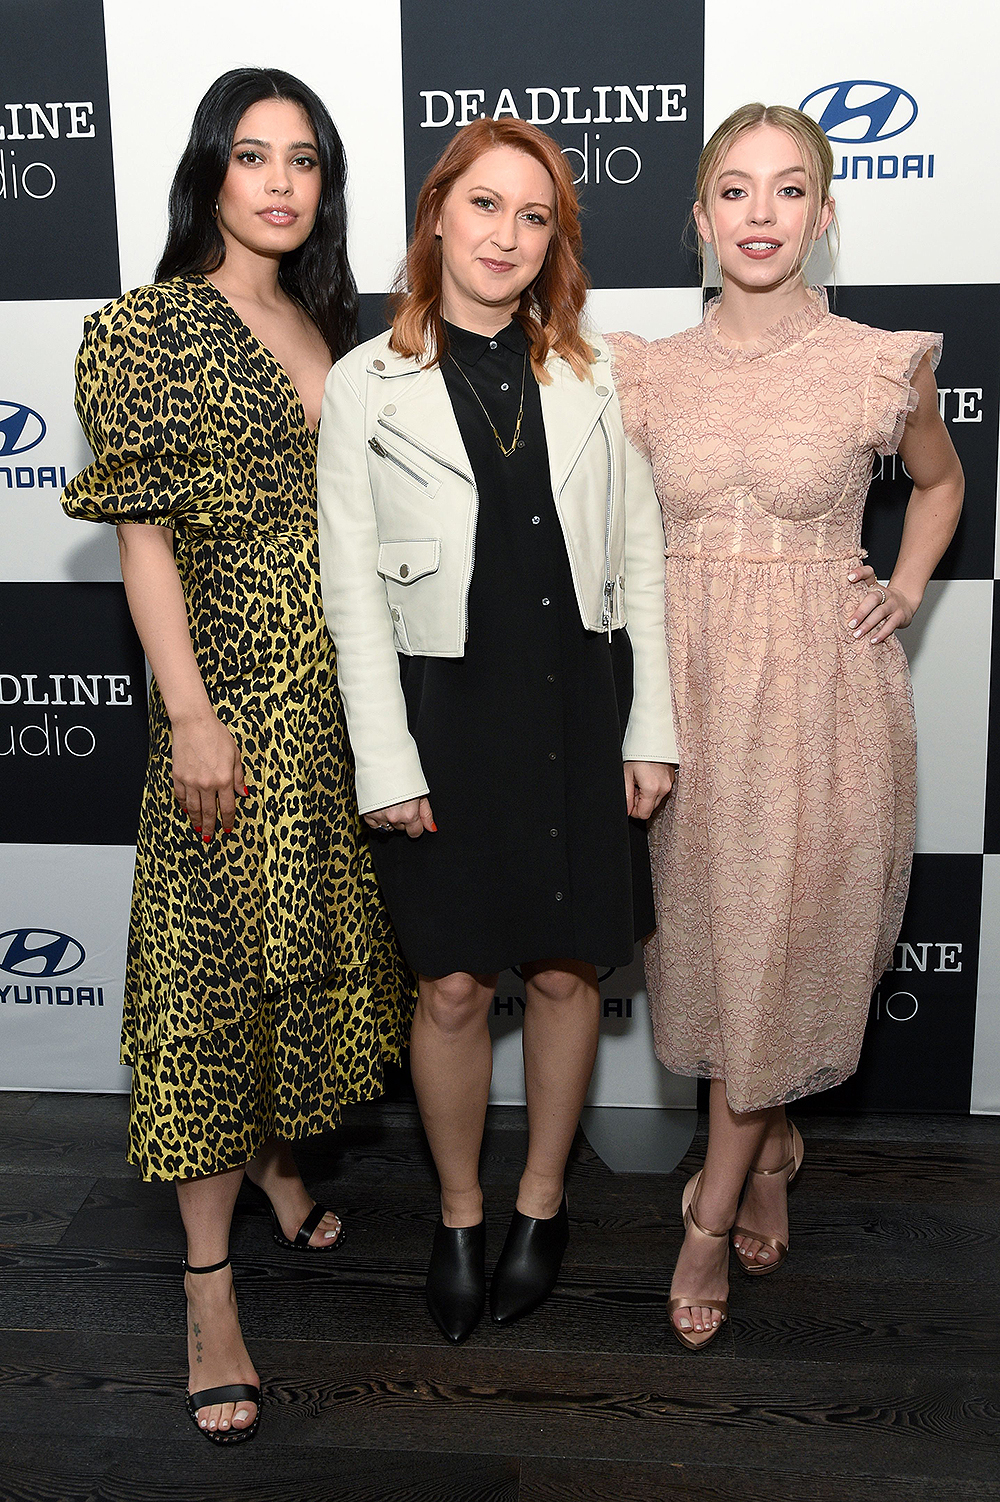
(300, 1241)
(233, 1392)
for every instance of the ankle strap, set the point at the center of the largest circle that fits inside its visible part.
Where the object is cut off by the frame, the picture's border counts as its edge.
(765, 1173)
(705, 1232)
(215, 1267)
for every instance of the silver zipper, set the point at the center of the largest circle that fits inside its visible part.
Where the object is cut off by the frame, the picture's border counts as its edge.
(407, 438)
(430, 454)
(609, 587)
(385, 453)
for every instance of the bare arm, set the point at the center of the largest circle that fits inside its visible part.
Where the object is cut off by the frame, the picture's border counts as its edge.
(931, 516)
(207, 769)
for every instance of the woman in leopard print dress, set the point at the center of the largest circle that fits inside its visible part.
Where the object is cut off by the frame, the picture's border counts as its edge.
(264, 986)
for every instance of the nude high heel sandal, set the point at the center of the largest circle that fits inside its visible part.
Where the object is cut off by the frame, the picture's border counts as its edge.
(750, 1265)
(703, 1338)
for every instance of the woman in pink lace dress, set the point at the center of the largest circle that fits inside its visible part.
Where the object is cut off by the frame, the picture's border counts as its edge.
(781, 864)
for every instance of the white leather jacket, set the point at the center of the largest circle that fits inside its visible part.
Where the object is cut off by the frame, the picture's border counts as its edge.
(397, 529)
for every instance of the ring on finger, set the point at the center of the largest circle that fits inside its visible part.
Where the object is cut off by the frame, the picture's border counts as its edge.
(881, 592)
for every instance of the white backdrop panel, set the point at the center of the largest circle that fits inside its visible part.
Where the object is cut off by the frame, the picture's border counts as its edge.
(40, 543)
(913, 230)
(653, 312)
(61, 1002)
(161, 62)
(948, 647)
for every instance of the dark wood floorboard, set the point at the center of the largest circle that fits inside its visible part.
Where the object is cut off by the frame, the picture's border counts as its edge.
(38, 1209)
(866, 1371)
(682, 1481)
(91, 1470)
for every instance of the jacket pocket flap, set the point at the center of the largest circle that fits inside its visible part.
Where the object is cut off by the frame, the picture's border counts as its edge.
(406, 561)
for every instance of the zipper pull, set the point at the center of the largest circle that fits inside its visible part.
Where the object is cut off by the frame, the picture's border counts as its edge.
(376, 447)
(608, 612)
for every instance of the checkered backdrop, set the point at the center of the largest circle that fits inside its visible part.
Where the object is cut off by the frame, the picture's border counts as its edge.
(96, 103)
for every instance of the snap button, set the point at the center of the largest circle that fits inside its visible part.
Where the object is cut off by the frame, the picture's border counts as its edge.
(379, 364)
(597, 353)
(404, 570)
(493, 344)
(389, 411)
(602, 390)
(504, 386)
(395, 613)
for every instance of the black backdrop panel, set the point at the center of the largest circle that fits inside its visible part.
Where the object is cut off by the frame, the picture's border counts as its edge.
(917, 1053)
(969, 388)
(58, 227)
(372, 318)
(621, 90)
(72, 715)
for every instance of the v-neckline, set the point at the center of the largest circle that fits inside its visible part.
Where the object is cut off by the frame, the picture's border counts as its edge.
(252, 338)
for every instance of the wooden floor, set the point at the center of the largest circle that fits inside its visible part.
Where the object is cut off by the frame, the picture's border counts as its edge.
(865, 1371)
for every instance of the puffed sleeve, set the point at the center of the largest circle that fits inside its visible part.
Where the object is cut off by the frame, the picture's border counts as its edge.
(141, 402)
(629, 364)
(890, 398)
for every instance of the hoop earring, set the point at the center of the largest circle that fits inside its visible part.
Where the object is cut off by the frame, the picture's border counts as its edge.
(215, 209)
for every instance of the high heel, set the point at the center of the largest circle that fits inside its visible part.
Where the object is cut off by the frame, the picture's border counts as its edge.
(300, 1242)
(233, 1392)
(721, 1306)
(529, 1264)
(750, 1265)
(456, 1279)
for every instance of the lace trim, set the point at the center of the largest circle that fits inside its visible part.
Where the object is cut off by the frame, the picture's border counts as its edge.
(780, 336)
(896, 364)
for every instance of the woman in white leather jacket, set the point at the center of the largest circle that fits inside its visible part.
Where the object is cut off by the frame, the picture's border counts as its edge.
(486, 532)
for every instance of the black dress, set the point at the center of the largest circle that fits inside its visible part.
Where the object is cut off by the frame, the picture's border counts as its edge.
(520, 740)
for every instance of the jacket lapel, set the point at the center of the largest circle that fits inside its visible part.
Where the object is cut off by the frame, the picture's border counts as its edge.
(570, 410)
(421, 408)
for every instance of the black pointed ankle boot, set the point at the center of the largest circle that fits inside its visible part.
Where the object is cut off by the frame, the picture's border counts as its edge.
(456, 1279)
(529, 1264)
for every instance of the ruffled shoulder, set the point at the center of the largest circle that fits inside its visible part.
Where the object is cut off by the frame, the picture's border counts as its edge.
(630, 368)
(889, 398)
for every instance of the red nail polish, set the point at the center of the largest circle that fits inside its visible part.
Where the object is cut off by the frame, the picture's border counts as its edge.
(246, 793)
(197, 829)
(207, 838)
(434, 827)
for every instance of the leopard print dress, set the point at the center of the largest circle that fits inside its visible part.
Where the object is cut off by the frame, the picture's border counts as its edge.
(264, 988)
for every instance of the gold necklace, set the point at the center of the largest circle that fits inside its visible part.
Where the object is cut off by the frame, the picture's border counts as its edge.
(520, 411)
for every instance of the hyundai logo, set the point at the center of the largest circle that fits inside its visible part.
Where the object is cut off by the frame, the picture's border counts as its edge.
(21, 429)
(861, 110)
(39, 951)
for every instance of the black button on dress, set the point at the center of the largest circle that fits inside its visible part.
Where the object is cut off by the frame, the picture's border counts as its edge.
(520, 740)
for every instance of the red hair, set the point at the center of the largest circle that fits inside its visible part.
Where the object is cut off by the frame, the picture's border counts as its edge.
(550, 307)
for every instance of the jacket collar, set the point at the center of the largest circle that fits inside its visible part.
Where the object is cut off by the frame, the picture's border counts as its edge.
(571, 408)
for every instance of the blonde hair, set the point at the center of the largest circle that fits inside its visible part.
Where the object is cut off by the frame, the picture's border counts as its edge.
(817, 158)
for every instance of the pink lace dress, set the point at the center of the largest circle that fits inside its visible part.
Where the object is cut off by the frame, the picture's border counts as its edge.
(781, 862)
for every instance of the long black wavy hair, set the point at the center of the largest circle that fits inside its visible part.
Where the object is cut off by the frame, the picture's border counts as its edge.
(317, 273)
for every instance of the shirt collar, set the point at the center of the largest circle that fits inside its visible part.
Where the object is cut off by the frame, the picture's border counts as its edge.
(469, 348)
